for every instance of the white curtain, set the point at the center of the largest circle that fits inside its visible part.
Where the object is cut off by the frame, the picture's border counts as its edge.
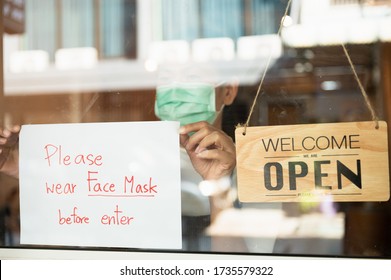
(222, 18)
(40, 31)
(75, 26)
(77, 23)
(191, 19)
(112, 27)
(266, 15)
(180, 19)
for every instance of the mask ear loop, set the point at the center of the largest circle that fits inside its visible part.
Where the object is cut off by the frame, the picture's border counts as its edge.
(220, 111)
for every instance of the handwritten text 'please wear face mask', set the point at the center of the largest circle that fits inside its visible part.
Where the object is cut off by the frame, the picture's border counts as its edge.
(186, 102)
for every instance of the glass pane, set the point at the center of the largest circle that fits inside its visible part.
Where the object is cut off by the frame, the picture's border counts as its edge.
(202, 62)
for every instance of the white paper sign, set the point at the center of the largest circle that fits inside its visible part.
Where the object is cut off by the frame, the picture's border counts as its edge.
(101, 184)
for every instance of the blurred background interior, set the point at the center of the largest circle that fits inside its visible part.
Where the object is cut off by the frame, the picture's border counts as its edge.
(70, 61)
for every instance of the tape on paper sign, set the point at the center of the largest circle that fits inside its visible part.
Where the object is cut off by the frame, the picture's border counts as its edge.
(347, 161)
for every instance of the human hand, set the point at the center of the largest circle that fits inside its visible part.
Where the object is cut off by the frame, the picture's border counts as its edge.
(211, 151)
(9, 156)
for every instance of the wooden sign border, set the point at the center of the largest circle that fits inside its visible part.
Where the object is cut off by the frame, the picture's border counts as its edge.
(356, 145)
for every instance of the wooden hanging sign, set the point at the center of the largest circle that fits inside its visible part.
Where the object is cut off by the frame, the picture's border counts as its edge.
(347, 161)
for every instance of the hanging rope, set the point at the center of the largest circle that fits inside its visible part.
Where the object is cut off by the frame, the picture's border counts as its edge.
(363, 92)
(264, 72)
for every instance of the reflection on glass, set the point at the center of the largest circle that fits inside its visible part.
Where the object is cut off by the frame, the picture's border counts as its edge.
(130, 46)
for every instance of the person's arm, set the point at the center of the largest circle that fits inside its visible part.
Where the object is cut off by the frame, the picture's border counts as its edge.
(9, 154)
(211, 151)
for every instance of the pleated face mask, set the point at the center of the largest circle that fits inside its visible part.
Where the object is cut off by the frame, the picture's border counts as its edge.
(186, 102)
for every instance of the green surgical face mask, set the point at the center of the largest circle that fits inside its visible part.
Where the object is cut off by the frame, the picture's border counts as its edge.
(186, 102)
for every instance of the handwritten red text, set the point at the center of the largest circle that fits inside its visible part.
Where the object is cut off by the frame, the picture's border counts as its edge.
(55, 155)
(117, 218)
(73, 218)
